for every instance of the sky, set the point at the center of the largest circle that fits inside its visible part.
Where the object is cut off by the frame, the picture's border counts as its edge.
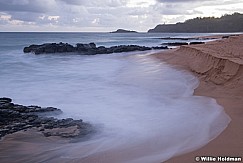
(106, 15)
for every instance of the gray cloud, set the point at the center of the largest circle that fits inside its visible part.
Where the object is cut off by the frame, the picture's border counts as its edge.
(25, 16)
(175, 9)
(95, 3)
(103, 15)
(181, 1)
(75, 2)
(26, 5)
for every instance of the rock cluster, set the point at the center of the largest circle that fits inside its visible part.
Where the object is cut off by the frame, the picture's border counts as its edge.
(14, 117)
(85, 49)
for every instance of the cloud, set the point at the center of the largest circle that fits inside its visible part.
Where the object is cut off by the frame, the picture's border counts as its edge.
(75, 2)
(26, 5)
(105, 15)
(176, 9)
(181, 1)
(24, 16)
(95, 3)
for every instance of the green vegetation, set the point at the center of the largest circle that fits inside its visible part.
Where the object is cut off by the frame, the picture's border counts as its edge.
(226, 23)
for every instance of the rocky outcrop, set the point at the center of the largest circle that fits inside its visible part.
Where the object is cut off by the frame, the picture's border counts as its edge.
(14, 118)
(84, 49)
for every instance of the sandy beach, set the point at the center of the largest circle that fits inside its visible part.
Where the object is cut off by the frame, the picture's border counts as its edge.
(219, 67)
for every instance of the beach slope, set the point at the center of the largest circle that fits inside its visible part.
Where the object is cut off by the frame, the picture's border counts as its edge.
(219, 67)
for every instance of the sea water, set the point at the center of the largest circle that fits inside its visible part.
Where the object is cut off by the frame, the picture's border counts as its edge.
(144, 110)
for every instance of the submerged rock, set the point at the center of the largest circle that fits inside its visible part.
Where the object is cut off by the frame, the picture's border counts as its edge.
(84, 49)
(175, 43)
(183, 43)
(14, 117)
(196, 43)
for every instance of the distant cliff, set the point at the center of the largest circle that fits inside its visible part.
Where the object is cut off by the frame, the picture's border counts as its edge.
(226, 23)
(123, 31)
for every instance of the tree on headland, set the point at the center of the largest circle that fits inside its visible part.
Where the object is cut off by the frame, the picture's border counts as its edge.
(226, 23)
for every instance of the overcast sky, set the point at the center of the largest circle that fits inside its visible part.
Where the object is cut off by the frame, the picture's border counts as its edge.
(106, 15)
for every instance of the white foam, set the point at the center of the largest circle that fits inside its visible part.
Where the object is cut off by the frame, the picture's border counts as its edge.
(145, 109)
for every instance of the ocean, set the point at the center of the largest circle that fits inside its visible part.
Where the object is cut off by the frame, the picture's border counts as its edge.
(144, 110)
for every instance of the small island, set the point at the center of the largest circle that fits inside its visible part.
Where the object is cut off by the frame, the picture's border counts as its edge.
(123, 31)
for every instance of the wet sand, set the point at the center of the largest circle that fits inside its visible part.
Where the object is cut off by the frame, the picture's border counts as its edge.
(219, 67)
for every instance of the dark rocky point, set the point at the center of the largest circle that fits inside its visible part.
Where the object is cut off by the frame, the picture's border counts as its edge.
(84, 49)
(225, 24)
(14, 118)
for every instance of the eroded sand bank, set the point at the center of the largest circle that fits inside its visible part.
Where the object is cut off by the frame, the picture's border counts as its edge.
(219, 66)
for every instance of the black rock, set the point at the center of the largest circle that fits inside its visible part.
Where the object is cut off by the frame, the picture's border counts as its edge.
(51, 48)
(92, 45)
(30, 48)
(70, 48)
(177, 38)
(84, 49)
(87, 49)
(5, 100)
(14, 118)
(102, 50)
(228, 36)
(175, 43)
(160, 47)
(196, 43)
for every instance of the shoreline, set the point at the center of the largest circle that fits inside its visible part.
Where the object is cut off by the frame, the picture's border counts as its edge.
(227, 89)
(219, 67)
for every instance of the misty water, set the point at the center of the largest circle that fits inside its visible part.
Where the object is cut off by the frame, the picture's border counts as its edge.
(143, 109)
